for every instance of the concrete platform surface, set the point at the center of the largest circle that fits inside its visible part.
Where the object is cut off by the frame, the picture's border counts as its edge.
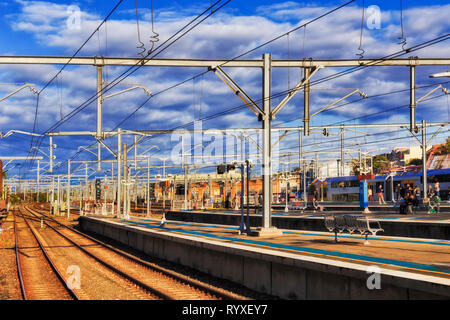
(434, 226)
(411, 268)
(422, 256)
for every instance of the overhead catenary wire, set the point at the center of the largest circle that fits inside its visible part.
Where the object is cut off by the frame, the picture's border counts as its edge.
(139, 64)
(141, 45)
(361, 53)
(270, 41)
(155, 36)
(64, 66)
(402, 37)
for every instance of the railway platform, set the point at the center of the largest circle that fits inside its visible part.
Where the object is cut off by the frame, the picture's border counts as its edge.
(420, 225)
(295, 265)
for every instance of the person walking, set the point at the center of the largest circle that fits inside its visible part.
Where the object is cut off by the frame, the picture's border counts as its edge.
(380, 194)
(370, 194)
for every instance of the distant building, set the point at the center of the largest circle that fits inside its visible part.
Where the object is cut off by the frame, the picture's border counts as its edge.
(436, 159)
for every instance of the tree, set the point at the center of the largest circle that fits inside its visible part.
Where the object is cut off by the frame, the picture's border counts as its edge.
(355, 167)
(446, 148)
(414, 162)
(381, 164)
(14, 198)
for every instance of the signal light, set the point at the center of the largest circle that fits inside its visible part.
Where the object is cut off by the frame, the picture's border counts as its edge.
(98, 190)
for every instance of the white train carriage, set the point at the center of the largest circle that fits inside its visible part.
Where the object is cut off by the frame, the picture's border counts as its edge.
(347, 188)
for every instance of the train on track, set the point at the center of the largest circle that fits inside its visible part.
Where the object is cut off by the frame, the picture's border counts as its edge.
(347, 188)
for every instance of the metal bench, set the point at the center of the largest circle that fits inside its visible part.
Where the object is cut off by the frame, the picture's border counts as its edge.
(352, 223)
(294, 207)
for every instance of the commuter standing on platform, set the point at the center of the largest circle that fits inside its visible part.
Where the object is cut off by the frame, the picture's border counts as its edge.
(437, 188)
(380, 194)
(397, 192)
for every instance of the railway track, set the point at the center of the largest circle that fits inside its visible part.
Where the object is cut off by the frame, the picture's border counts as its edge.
(38, 275)
(162, 282)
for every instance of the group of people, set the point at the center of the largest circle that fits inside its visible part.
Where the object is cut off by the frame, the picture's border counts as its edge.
(380, 193)
(434, 197)
(409, 197)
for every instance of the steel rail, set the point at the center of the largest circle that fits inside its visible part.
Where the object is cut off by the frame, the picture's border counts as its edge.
(19, 269)
(109, 266)
(168, 273)
(49, 260)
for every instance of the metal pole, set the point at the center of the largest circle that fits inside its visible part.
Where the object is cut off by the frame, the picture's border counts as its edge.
(99, 103)
(135, 152)
(125, 178)
(119, 173)
(51, 154)
(148, 187)
(248, 196)
(424, 158)
(59, 195)
(342, 153)
(306, 92)
(360, 162)
(68, 190)
(242, 225)
(185, 172)
(267, 164)
(38, 178)
(99, 156)
(412, 98)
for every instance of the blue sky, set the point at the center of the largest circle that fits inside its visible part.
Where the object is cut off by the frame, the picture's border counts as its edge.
(39, 28)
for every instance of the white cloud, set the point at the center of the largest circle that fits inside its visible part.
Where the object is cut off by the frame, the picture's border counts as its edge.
(224, 36)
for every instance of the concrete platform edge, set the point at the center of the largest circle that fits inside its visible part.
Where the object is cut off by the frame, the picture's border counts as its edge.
(290, 276)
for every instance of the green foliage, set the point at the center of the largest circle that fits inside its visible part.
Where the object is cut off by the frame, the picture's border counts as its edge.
(380, 164)
(447, 146)
(14, 199)
(42, 197)
(355, 167)
(414, 162)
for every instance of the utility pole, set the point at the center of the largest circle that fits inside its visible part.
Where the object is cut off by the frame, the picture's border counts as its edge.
(412, 98)
(424, 158)
(148, 187)
(266, 126)
(119, 173)
(68, 189)
(38, 178)
(125, 178)
(306, 92)
(185, 172)
(342, 153)
(59, 196)
(242, 225)
(51, 154)
(248, 196)
(99, 133)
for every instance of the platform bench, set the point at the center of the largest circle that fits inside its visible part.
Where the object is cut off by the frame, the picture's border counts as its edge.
(352, 223)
